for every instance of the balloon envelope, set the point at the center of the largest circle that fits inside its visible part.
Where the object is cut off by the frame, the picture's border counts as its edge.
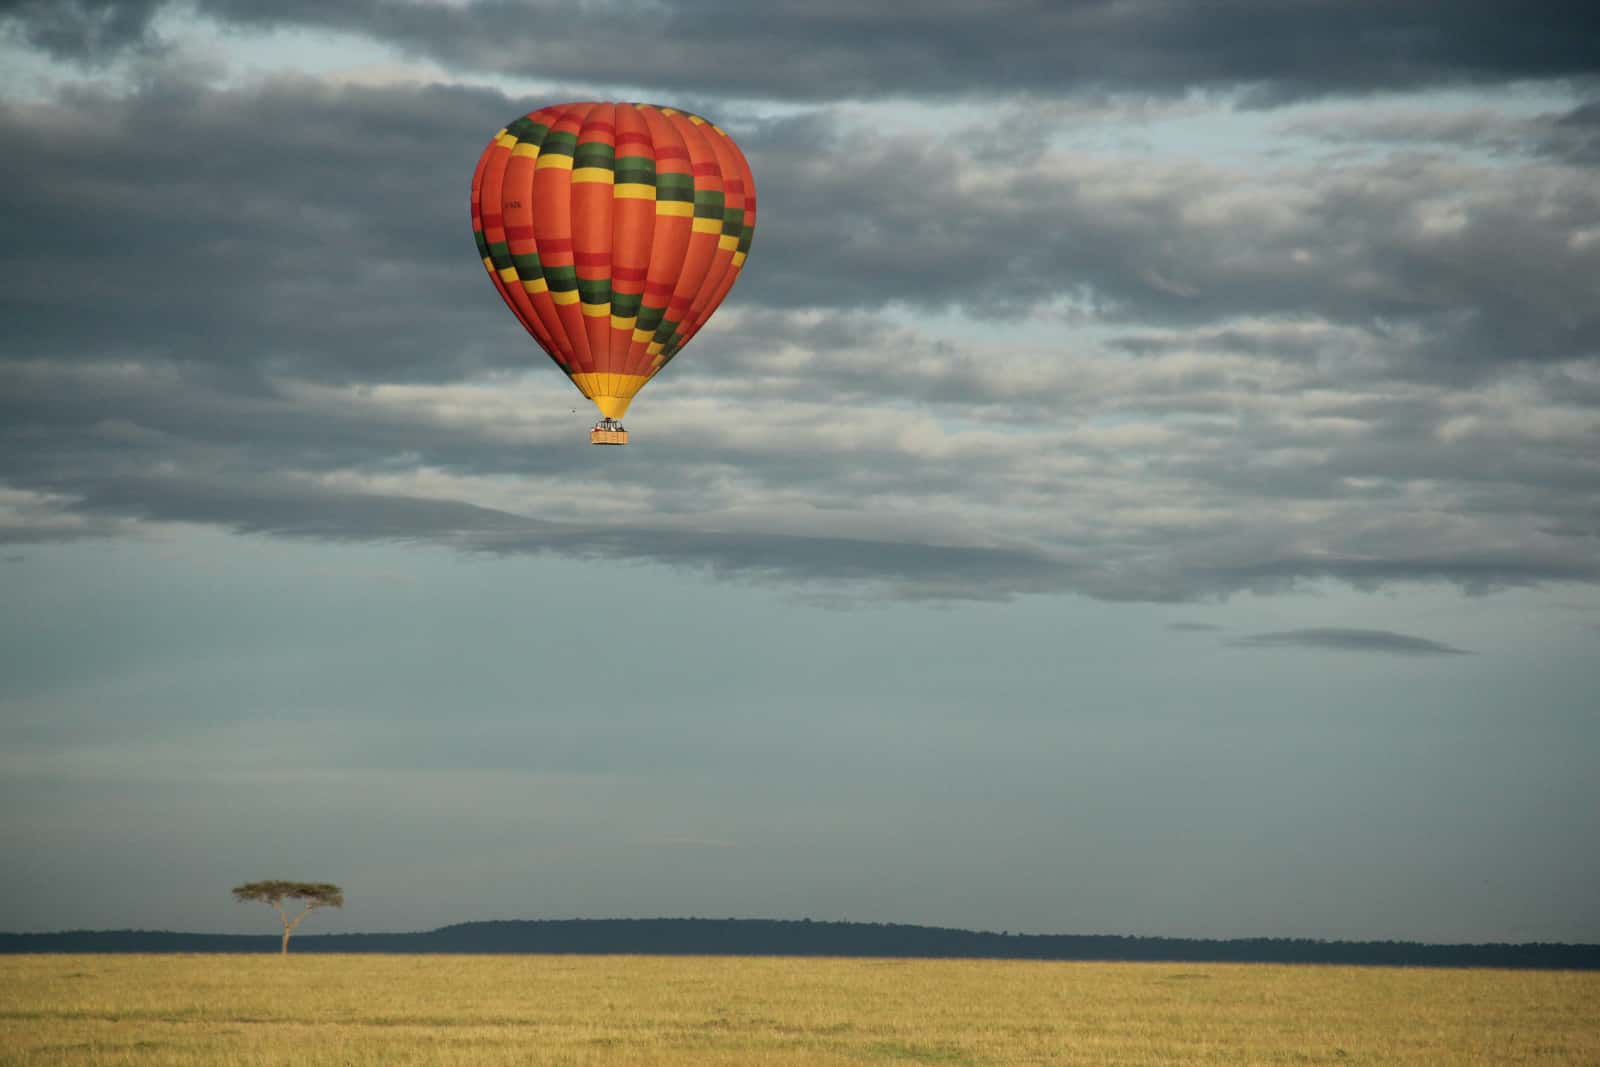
(612, 231)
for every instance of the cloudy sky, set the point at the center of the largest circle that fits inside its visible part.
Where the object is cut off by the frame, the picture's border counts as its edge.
(1146, 479)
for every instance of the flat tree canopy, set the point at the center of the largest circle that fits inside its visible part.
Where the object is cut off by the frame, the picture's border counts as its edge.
(313, 894)
(318, 893)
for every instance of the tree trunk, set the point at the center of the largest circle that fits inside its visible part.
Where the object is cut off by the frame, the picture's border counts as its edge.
(285, 941)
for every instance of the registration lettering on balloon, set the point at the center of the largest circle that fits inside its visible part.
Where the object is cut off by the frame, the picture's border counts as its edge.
(612, 231)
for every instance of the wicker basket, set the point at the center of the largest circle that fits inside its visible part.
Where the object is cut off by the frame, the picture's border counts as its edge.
(608, 437)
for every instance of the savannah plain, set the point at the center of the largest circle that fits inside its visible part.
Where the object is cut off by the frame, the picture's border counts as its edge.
(486, 1011)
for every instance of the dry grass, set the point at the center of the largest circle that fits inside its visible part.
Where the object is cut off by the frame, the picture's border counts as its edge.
(365, 1011)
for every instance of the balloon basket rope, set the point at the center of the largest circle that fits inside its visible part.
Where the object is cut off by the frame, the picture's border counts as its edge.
(608, 432)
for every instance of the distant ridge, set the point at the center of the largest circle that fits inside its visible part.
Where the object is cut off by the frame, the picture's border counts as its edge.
(775, 937)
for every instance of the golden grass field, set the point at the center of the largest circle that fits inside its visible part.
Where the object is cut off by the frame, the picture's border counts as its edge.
(484, 1011)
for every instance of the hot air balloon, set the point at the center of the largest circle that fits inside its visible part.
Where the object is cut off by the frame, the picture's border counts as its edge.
(612, 231)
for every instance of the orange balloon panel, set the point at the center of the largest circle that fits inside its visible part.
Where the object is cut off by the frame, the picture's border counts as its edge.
(612, 231)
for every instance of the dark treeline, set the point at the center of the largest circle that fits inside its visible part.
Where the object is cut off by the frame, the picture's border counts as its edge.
(766, 937)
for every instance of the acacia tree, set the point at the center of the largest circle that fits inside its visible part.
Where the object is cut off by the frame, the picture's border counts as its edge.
(313, 894)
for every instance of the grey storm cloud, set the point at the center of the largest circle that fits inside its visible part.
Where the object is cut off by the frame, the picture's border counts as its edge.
(1575, 136)
(275, 228)
(295, 508)
(260, 309)
(265, 229)
(1571, 136)
(97, 447)
(92, 31)
(839, 49)
(1350, 640)
(1471, 265)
